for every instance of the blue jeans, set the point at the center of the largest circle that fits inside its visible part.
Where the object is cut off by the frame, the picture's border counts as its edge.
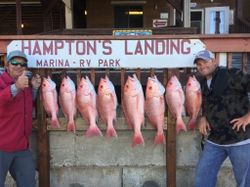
(212, 158)
(21, 166)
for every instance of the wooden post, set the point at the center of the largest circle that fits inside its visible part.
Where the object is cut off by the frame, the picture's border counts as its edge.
(170, 145)
(43, 146)
(19, 17)
(244, 62)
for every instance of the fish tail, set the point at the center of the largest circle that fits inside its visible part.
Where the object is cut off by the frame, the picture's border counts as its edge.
(180, 125)
(160, 138)
(93, 131)
(71, 127)
(111, 132)
(55, 123)
(191, 123)
(138, 139)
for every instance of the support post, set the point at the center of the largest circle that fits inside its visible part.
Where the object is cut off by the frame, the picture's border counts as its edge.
(19, 17)
(171, 146)
(43, 147)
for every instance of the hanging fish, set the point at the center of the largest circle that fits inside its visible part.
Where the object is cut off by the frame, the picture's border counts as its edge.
(107, 104)
(86, 104)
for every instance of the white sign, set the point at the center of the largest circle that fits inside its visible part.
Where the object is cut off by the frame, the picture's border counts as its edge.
(160, 23)
(151, 53)
(164, 15)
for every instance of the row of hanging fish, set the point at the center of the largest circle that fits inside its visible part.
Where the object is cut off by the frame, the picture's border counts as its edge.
(103, 104)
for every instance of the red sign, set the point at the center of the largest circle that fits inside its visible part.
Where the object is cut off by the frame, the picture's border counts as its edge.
(160, 22)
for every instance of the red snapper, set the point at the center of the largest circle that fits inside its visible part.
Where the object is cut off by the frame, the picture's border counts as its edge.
(193, 100)
(86, 104)
(155, 107)
(107, 104)
(175, 100)
(49, 100)
(67, 100)
(133, 107)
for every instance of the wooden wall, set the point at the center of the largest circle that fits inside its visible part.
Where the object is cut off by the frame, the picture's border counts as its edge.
(101, 15)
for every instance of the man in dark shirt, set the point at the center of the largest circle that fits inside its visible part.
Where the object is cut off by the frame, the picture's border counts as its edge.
(225, 121)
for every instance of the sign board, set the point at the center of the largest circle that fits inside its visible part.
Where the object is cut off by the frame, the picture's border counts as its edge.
(132, 32)
(164, 15)
(160, 23)
(142, 53)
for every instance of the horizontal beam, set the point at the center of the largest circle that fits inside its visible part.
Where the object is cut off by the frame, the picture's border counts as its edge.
(216, 43)
(81, 125)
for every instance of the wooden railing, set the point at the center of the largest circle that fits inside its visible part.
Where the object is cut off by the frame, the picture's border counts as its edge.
(224, 46)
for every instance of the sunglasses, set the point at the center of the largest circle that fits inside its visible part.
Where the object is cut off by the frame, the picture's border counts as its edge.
(22, 64)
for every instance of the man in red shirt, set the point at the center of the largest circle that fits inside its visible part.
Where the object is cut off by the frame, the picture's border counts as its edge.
(17, 94)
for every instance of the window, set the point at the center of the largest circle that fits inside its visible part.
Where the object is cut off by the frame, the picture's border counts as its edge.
(197, 20)
(128, 16)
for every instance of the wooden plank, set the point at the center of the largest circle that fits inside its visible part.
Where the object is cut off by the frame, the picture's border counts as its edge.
(244, 62)
(171, 146)
(229, 60)
(43, 146)
(19, 17)
(92, 75)
(81, 124)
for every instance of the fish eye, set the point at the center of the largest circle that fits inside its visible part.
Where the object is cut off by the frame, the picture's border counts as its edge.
(101, 86)
(81, 86)
(44, 85)
(150, 87)
(62, 84)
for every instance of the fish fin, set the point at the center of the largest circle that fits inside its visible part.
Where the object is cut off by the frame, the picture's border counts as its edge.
(180, 125)
(71, 127)
(111, 132)
(160, 138)
(55, 123)
(93, 131)
(137, 139)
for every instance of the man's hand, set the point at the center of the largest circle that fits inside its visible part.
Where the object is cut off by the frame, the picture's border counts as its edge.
(241, 122)
(22, 81)
(203, 125)
(36, 81)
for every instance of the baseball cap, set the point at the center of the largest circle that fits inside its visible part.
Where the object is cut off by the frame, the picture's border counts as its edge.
(205, 55)
(16, 53)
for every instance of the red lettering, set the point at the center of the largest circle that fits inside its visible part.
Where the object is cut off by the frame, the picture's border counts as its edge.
(160, 47)
(126, 49)
(175, 46)
(47, 48)
(183, 51)
(69, 42)
(36, 49)
(107, 49)
(24, 47)
(138, 49)
(58, 45)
